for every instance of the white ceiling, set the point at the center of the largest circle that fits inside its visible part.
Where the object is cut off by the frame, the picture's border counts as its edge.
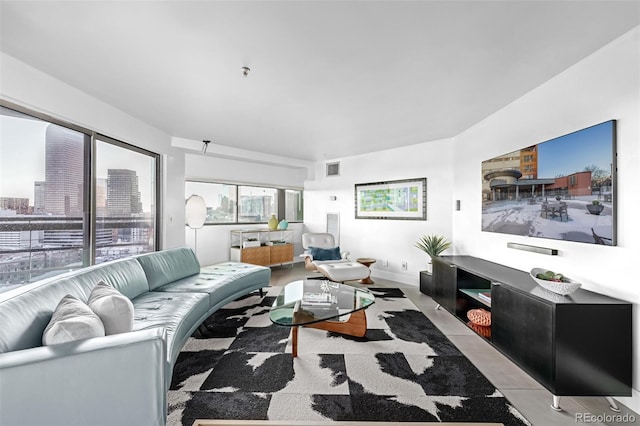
(328, 78)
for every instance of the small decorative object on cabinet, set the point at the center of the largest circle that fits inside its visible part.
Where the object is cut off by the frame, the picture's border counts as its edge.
(283, 224)
(433, 245)
(554, 338)
(554, 282)
(273, 222)
(262, 246)
(479, 317)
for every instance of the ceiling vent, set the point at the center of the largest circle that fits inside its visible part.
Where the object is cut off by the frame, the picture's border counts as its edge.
(333, 169)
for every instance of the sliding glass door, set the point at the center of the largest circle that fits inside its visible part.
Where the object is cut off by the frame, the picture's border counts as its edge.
(70, 198)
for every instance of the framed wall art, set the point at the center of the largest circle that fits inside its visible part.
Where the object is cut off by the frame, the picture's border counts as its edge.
(398, 199)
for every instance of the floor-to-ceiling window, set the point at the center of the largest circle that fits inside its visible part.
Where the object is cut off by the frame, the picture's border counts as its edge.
(125, 200)
(69, 198)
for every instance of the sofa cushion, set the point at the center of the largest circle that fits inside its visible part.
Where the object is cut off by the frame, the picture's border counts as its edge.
(222, 282)
(125, 275)
(114, 309)
(163, 267)
(72, 320)
(179, 313)
(325, 254)
(344, 270)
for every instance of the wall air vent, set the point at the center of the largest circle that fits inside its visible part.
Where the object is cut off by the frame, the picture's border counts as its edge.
(333, 169)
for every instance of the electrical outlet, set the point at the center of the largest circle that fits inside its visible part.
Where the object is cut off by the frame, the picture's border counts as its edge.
(404, 265)
(385, 263)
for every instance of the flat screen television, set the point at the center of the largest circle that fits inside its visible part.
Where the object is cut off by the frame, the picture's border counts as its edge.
(561, 189)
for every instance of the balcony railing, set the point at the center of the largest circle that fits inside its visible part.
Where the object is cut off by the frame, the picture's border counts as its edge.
(34, 247)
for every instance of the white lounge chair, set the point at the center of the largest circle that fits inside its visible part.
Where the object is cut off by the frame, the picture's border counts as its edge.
(322, 255)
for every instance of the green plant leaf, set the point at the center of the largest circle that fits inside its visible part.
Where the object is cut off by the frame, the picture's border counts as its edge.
(433, 245)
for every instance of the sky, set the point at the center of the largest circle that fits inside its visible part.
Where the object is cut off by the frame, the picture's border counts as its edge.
(573, 152)
(20, 167)
(22, 159)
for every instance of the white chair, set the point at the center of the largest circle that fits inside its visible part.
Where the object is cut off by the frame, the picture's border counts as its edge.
(322, 255)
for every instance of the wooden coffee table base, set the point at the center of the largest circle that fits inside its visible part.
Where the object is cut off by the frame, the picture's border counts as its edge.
(356, 326)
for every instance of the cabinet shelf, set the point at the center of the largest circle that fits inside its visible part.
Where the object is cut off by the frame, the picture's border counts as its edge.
(476, 293)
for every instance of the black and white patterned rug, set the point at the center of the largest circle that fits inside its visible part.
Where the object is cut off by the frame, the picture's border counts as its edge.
(403, 369)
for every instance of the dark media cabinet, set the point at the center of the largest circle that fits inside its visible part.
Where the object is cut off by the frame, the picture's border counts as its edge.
(575, 345)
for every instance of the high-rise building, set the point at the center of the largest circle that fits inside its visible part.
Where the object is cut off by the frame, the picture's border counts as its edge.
(101, 197)
(123, 194)
(64, 159)
(39, 190)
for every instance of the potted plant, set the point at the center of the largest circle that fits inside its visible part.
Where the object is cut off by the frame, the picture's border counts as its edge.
(433, 245)
(595, 207)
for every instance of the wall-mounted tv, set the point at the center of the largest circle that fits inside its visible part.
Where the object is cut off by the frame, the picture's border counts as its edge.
(561, 189)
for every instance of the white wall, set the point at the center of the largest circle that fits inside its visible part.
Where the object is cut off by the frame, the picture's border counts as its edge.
(210, 168)
(30, 88)
(392, 240)
(604, 86)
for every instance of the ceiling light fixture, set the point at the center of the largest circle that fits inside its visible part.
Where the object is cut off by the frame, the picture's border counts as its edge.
(205, 145)
(245, 71)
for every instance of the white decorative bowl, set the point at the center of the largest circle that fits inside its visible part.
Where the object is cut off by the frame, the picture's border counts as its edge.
(563, 288)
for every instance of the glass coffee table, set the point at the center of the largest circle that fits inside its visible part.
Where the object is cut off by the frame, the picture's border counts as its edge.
(321, 304)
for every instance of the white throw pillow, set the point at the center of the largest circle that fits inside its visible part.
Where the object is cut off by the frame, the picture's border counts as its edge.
(72, 320)
(114, 309)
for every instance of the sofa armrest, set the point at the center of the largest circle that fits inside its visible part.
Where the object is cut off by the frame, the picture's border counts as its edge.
(117, 379)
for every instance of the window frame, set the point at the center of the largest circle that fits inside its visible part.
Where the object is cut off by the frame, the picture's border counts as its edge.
(93, 177)
(89, 214)
(280, 195)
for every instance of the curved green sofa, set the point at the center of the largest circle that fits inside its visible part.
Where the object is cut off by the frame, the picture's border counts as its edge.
(119, 379)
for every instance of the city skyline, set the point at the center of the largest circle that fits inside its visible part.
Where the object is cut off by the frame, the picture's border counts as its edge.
(18, 177)
(43, 190)
(61, 193)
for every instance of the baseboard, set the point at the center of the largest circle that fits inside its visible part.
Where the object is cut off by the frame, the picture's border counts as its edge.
(400, 278)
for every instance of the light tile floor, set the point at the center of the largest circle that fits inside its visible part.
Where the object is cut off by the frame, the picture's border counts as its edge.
(527, 395)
